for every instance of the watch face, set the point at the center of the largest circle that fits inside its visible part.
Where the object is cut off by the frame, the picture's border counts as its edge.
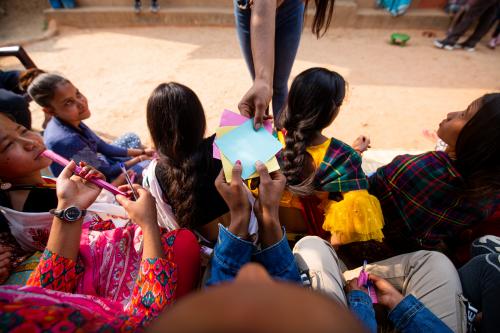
(72, 214)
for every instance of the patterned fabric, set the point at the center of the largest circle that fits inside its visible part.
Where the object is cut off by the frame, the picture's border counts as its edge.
(36, 309)
(56, 273)
(47, 303)
(21, 273)
(340, 170)
(341, 208)
(421, 201)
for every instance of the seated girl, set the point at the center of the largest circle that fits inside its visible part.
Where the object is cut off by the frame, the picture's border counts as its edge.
(68, 136)
(324, 176)
(50, 287)
(182, 178)
(428, 200)
(111, 254)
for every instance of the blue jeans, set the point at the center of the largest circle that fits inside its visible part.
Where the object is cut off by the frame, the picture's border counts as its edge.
(289, 21)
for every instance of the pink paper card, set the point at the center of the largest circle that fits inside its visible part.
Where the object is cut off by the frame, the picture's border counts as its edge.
(230, 118)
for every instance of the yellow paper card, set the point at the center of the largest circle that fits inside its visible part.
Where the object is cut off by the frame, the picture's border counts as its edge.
(272, 164)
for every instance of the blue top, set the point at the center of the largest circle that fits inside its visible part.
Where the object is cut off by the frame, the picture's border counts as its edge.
(231, 253)
(81, 145)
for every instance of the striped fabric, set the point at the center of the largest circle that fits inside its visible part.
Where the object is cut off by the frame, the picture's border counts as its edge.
(421, 200)
(340, 170)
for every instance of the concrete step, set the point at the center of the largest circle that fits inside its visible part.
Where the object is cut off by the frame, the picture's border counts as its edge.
(162, 3)
(413, 19)
(347, 14)
(113, 17)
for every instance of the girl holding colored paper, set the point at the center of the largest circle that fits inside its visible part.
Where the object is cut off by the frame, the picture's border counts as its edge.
(324, 176)
(182, 177)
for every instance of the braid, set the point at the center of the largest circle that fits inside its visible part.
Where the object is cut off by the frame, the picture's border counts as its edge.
(180, 182)
(298, 166)
(313, 103)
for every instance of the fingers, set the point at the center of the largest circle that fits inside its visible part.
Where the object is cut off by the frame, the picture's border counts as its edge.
(5, 259)
(123, 201)
(263, 172)
(260, 110)
(236, 173)
(245, 109)
(5, 255)
(68, 170)
(220, 180)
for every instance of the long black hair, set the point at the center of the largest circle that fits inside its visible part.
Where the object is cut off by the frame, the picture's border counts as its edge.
(313, 103)
(322, 16)
(177, 124)
(478, 149)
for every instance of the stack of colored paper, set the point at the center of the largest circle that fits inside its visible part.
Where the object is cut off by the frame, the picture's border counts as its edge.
(236, 139)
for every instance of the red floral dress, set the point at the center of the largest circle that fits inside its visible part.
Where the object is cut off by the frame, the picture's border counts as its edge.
(48, 304)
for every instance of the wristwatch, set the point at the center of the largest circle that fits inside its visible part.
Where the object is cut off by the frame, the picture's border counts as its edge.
(70, 214)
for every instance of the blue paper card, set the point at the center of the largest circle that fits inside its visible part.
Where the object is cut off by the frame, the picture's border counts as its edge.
(249, 146)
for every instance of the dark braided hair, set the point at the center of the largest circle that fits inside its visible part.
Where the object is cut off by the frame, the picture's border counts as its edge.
(478, 150)
(176, 121)
(313, 103)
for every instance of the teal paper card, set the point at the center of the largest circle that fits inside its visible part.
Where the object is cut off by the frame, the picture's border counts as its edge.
(249, 146)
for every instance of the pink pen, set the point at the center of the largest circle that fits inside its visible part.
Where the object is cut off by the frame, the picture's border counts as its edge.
(99, 182)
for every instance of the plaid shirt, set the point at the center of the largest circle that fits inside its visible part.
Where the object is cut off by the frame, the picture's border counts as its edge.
(340, 170)
(421, 200)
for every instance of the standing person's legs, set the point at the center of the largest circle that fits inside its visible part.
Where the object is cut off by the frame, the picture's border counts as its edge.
(317, 256)
(430, 277)
(242, 18)
(470, 16)
(483, 26)
(289, 22)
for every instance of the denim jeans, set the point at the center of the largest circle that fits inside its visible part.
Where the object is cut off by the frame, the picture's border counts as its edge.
(289, 21)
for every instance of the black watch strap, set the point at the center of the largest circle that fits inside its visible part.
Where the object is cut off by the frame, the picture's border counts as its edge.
(70, 214)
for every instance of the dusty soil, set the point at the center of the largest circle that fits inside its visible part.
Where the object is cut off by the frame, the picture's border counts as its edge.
(395, 92)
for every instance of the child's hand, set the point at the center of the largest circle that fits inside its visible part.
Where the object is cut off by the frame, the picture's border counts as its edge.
(271, 188)
(120, 180)
(73, 190)
(150, 152)
(236, 197)
(5, 263)
(142, 211)
(361, 144)
(386, 293)
(353, 285)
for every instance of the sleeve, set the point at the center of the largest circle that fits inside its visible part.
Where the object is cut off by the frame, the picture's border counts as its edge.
(154, 289)
(279, 261)
(411, 316)
(109, 150)
(74, 148)
(230, 254)
(56, 273)
(361, 305)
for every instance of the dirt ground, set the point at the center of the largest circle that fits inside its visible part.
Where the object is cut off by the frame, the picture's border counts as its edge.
(395, 93)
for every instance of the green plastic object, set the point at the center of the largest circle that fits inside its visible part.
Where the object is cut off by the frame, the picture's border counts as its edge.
(399, 39)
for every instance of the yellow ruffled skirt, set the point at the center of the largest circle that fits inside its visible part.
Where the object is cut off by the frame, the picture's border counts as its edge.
(356, 218)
